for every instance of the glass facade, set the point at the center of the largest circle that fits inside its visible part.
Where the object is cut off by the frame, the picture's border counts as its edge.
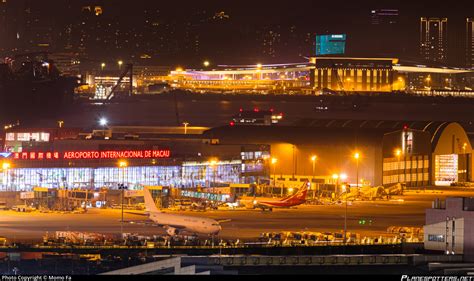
(203, 174)
(187, 175)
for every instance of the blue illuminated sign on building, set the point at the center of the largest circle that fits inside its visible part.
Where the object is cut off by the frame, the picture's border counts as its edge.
(334, 44)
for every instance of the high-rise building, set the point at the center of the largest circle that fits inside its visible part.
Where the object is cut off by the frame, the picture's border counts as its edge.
(3, 24)
(381, 35)
(434, 39)
(384, 16)
(470, 42)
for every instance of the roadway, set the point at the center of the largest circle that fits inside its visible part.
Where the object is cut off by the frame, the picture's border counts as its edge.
(245, 224)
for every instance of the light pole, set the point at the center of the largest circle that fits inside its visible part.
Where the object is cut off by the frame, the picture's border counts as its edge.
(103, 122)
(428, 79)
(345, 215)
(405, 153)
(398, 153)
(206, 63)
(464, 146)
(343, 177)
(259, 73)
(314, 158)
(335, 177)
(102, 66)
(120, 63)
(357, 157)
(274, 162)
(214, 168)
(122, 165)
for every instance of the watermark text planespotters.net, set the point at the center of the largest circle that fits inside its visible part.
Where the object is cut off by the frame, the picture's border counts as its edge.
(437, 278)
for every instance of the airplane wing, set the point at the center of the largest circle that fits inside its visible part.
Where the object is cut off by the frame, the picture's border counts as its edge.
(223, 220)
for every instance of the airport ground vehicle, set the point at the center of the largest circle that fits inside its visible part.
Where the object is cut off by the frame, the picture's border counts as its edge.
(22, 208)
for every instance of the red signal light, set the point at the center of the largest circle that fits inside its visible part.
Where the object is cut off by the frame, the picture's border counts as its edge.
(232, 124)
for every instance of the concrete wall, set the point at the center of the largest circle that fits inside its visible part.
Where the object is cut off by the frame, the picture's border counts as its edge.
(440, 229)
(455, 208)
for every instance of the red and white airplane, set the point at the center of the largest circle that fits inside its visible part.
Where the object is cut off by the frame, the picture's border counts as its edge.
(270, 203)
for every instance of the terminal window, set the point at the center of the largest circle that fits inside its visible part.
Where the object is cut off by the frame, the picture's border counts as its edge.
(435, 238)
(446, 169)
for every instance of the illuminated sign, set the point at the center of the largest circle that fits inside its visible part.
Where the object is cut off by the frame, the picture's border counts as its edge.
(84, 155)
(334, 44)
(5, 154)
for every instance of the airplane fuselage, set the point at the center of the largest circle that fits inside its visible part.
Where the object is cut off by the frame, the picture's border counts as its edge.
(187, 223)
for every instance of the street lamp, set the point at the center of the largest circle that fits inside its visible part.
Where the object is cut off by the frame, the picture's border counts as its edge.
(122, 164)
(259, 73)
(120, 63)
(357, 157)
(206, 63)
(398, 153)
(102, 65)
(464, 146)
(6, 165)
(314, 158)
(213, 164)
(274, 162)
(103, 122)
(343, 177)
(428, 79)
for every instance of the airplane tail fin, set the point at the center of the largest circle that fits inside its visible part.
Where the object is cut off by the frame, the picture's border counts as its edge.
(149, 202)
(301, 194)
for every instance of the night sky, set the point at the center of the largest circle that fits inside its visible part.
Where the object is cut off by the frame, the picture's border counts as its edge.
(249, 20)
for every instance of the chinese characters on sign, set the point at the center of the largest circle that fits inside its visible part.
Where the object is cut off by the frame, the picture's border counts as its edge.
(78, 155)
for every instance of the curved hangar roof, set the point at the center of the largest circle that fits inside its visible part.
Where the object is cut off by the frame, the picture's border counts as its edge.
(331, 130)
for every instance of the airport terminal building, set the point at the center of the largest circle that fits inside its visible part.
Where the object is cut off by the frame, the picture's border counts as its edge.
(326, 74)
(415, 154)
(39, 158)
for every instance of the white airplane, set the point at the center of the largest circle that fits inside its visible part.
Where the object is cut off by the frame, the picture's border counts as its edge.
(174, 224)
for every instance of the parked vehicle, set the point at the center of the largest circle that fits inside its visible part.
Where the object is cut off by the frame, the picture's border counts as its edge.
(22, 208)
